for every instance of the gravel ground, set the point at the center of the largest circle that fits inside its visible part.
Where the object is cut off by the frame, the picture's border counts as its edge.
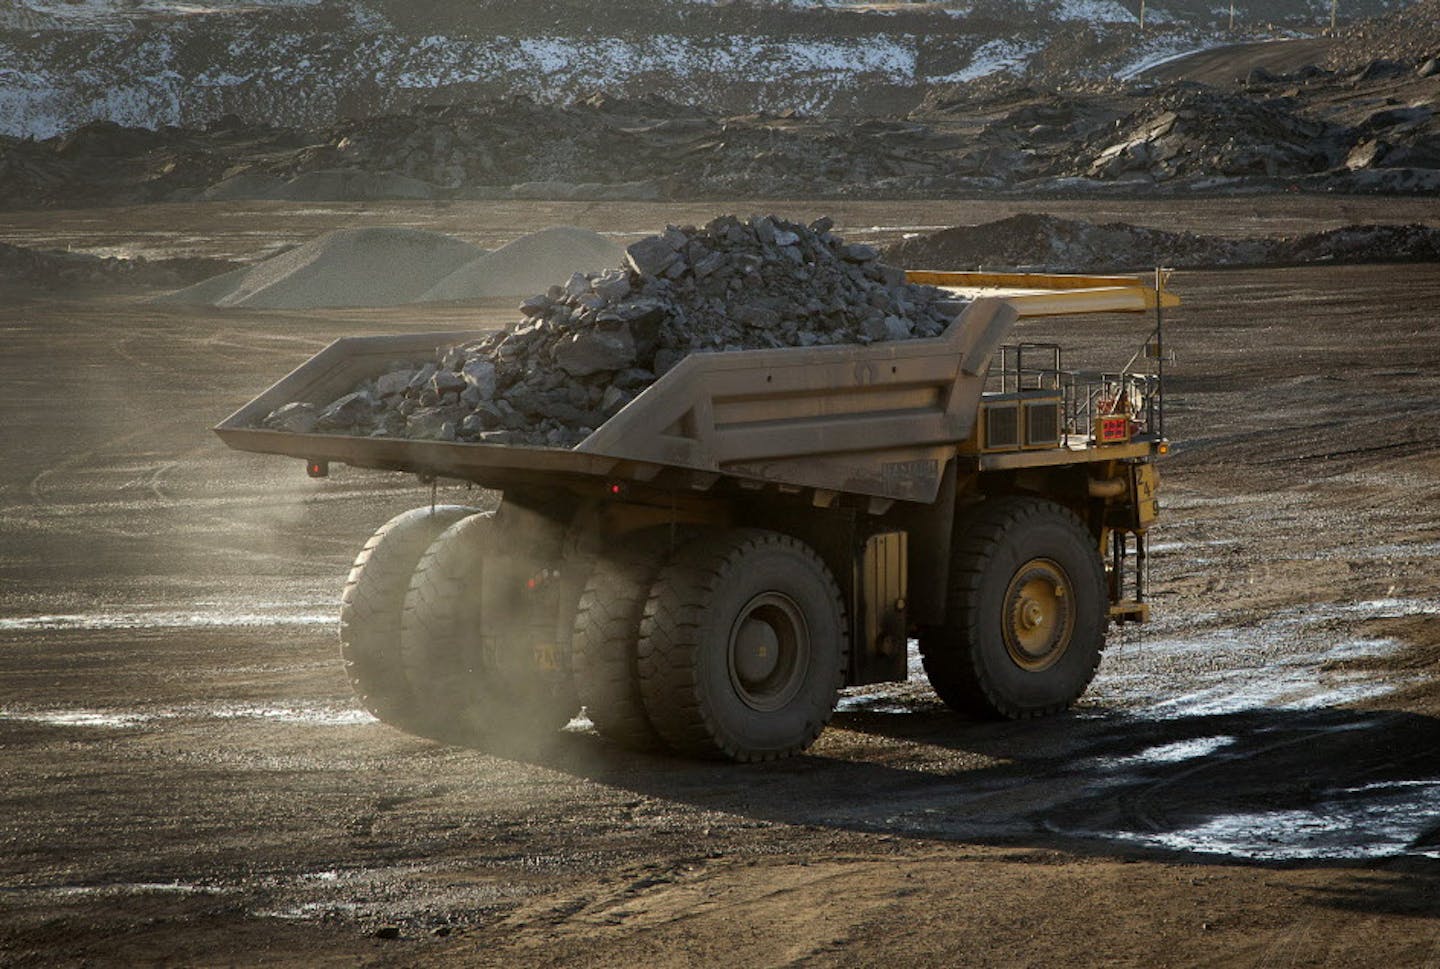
(1251, 780)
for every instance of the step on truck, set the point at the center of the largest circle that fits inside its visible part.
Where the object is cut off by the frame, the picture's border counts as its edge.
(758, 529)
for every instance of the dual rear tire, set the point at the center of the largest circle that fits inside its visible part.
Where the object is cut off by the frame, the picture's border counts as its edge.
(743, 647)
(730, 645)
(371, 608)
(607, 628)
(477, 636)
(445, 632)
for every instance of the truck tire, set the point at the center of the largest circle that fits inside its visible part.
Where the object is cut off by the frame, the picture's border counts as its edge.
(607, 628)
(371, 605)
(1026, 612)
(474, 672)
(743, 646)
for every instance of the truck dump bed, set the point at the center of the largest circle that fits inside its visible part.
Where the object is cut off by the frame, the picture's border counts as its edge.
(877, 421)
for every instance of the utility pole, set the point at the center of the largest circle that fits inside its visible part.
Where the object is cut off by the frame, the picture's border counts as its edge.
(1142, 14)
(1232, 16)
(1334, 6)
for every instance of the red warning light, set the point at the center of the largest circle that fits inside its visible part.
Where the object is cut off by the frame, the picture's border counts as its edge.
(616, 488)
(530, 583)
(317, 469)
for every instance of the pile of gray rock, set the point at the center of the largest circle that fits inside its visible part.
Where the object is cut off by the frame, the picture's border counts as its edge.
(1200, 132)
(1274, 129)
(587, 347)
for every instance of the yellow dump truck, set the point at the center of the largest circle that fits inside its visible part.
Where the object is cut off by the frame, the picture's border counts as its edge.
(758, 529)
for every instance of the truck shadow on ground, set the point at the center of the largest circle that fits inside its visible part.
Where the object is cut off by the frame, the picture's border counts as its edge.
(1332, 787)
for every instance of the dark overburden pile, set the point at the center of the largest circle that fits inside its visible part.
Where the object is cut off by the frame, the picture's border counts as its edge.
(586, 348)
(1199, 132)
(45, 270)
(1037, 242)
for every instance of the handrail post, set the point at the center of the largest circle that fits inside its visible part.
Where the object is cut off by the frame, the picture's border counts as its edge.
(1160, 345)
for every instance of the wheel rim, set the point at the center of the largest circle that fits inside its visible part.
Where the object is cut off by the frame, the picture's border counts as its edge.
(769, 651)
(1039, 616)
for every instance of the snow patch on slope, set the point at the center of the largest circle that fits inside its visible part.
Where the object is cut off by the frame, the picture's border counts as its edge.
(1094, 11)
(1151, 56)
(992, 58)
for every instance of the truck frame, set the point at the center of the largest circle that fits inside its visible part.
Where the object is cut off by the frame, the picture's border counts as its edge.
(758, 529)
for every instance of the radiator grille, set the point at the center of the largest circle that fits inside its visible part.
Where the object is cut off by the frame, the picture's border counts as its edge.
(1002, 426)
(1042, 424)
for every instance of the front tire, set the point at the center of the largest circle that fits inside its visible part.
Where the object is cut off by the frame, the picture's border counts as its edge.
(743, 647)
(1026, 612)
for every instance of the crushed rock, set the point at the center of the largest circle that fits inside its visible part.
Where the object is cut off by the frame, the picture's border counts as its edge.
(588, 346)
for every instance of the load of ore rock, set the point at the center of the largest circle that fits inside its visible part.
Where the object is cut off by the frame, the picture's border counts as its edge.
(586, 348)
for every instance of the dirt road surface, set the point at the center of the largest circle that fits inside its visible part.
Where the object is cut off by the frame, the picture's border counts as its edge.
(1252, 780)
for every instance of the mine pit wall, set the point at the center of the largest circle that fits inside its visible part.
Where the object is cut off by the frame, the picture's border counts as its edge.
(178, 77)
(306, 65)
(312, 66)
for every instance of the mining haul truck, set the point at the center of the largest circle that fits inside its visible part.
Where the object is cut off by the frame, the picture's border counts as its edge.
(759, 529)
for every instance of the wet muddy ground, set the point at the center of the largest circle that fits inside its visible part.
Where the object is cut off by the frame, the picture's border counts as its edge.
(1253, 778)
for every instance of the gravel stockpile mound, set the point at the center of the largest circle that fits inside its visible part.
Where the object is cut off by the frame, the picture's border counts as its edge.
(528, 264)
(1048, 243)
(389, 267)
(348, 267)
(587, 347)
